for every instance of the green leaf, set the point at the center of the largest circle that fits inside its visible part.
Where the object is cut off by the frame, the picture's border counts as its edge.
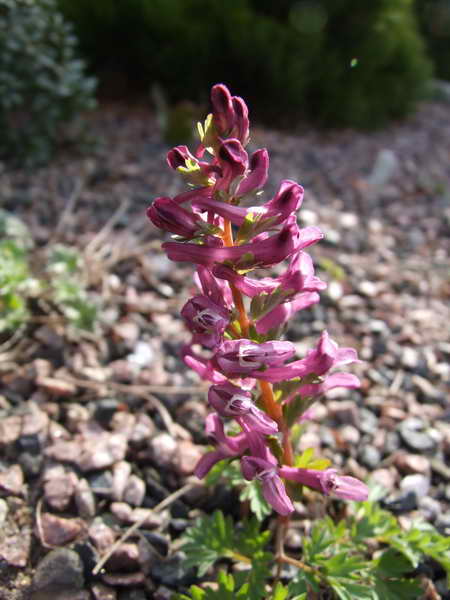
(404, 589)
(214, 537)
(393, 564)
(307, 460)
(209, 539)
(280, 592)
(258, 504)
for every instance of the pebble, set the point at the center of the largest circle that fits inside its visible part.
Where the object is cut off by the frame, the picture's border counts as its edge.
(3, 511)
(135, 491)
(188, 456)
(401, 503)
(103, 592)
(442, 524)
(415, 437)
(126, 514)
(412, 463)
(104, 410)
(56, 387)
(10, 428)
(124, 579)
(370, 456)
(171, 571)
(385, 478)
(12, 482)
(430, 508)
(121, 473)
(125, 558)
(15, 549)
(102, 483)
(344, 411)
(143, 355)
(84, 500)
(101, 535)
(60, 570)
(164, 449)
(57, 531)
(418, 484)
(59, 486)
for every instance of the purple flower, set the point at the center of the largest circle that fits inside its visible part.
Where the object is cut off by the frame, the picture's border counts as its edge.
(272, 486)
(206, 320)
(232, 401)
(235, 358)
(261, 253)
(202, 366)
(233, 162)
(328, 482)
(168, 215)
(335, 380)
(283, 312)
(216, 289)
(226, 446)
(321, 359)
(223, 110)
(241, 123)
(259, 170)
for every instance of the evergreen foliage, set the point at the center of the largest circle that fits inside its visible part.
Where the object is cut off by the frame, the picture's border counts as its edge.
(339, 62)
(42, 82)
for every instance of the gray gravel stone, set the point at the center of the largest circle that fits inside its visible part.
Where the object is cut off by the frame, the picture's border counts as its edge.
(59, 570)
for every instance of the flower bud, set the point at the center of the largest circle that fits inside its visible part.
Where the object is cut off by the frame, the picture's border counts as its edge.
(168, 215)
(223, 111)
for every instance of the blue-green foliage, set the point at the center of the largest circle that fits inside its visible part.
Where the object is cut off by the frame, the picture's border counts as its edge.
(42, 82)
(334, 557)
(61, 282)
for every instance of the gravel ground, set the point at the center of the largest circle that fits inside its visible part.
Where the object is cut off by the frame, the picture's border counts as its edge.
(96, 430)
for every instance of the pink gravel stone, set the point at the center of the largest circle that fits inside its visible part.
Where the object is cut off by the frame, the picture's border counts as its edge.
(56, 531)
(11, 481)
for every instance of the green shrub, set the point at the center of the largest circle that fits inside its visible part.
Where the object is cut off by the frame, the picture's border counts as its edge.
(42, 83)
(434, 20)
(340, 62)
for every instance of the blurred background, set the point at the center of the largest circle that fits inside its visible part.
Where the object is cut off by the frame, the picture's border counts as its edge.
(332, 62)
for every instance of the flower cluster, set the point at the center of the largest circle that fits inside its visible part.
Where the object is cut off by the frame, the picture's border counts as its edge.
(236, 320)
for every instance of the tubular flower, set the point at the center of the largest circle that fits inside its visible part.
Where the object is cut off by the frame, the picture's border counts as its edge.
(168, 215)
(206, 320)
(328, 482)
(243, 357)
(263, 253)
(231, 401)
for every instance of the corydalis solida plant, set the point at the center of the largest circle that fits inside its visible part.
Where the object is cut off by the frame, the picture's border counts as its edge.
(256, 379)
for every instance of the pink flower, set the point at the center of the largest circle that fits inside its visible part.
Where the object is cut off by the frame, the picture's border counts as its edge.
(283, 312)
(223, 110)
(206, 320)
(272, 486)
(216, 289)
(235, 358)
(226, 446)
(257, 177)
(202, 366)
(321, 359)
(262, 253)
(232, 401)
(233, 163)
(168, 215)
(328, 482)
